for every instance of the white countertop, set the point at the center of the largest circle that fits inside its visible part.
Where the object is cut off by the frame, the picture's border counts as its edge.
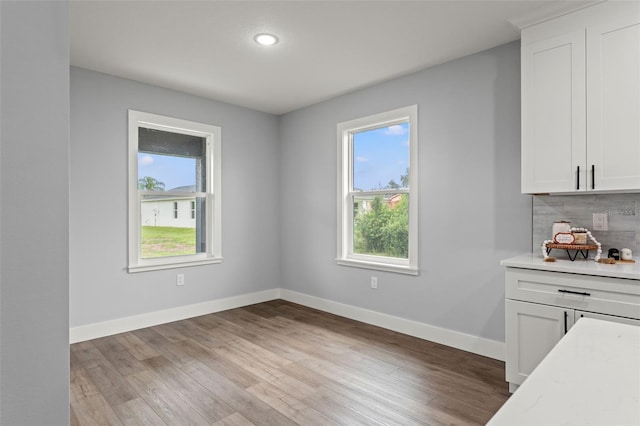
(591, 377)
(579, 266)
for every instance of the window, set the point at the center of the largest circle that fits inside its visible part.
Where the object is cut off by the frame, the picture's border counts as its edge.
(377, 190)
(174, 165)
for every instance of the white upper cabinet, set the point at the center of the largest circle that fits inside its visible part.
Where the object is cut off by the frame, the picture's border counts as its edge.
(553, 114)
(613, 104)
(581, 101)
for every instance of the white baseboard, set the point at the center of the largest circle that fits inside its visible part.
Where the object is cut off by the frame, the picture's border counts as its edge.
(121, 325)
(466, 342)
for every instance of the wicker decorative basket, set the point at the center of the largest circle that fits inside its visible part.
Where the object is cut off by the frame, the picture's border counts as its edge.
(573, 246)
(582, 249)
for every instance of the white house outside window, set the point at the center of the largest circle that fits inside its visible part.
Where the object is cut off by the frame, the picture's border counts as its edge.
(377, 191)
(174, 192)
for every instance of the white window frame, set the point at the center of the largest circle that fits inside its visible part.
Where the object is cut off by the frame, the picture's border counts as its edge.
(346, 129)
(213, 194)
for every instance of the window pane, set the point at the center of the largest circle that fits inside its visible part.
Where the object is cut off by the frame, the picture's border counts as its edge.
(172, 226)
(168, 173)
(381, 158)
(381, 225)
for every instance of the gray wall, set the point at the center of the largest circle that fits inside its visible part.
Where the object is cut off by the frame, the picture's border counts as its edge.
(472, 214)
(623, 217)
(34, 222)
(100, 287)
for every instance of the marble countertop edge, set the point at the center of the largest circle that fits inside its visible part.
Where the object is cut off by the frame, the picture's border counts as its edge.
(579, 266)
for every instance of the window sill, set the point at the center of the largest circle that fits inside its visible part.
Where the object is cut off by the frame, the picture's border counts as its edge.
(182, 264)
(408, 270)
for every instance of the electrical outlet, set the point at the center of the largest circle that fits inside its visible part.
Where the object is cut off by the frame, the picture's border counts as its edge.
(374, 282)
(600, 222)
(180, 279)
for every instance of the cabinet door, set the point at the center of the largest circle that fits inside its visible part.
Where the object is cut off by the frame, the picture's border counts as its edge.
(532, 330)
(553, 114)
(613, 104)
(622, 320)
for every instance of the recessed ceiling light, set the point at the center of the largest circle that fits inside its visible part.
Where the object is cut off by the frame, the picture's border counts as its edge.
(266, 39)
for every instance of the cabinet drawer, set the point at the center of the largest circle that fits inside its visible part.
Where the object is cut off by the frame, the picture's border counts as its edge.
(613, 296)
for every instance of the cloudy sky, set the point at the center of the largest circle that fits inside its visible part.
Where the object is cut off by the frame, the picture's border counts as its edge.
(380, 155)
(172, 171)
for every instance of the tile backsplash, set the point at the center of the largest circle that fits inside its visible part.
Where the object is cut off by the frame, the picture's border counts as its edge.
(622, 211)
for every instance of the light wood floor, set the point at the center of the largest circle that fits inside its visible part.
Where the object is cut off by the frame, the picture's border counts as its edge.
(278, 363)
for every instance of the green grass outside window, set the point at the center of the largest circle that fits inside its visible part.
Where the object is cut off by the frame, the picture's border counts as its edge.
(163, 241)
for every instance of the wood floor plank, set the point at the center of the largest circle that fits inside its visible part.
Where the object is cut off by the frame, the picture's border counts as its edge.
(355, 361)
(268, 335)
(278, 363)
(242, 346)
(271, 343)
(239, 316)
(117, 354)
(137, 413)
(81, 385)
(238, 374)
(115, 389)
(465, 413)
(80, 346)
(174, 352)
(453, 385)
(136, 347)
(362, 404)
(288, 405)
(202, 335)
(305, 343)
(95, 410)
(104, 375)
(330, 342)
(73, 419)
(311, 376)
(236, 397)
(208, 405)
(172, 409)
(273, 324)
(380, 384)
(236, 419)
(88, 358)
(74, 363)
(263, 310)
(414, 407)
(261, 370)
(173, 332)
(337, 412)
(210, 321)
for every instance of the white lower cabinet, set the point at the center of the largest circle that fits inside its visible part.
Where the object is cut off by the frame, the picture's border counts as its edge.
(542, 306)
(532, 330)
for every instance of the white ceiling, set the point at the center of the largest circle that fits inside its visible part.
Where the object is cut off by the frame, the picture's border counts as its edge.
(326, 48)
